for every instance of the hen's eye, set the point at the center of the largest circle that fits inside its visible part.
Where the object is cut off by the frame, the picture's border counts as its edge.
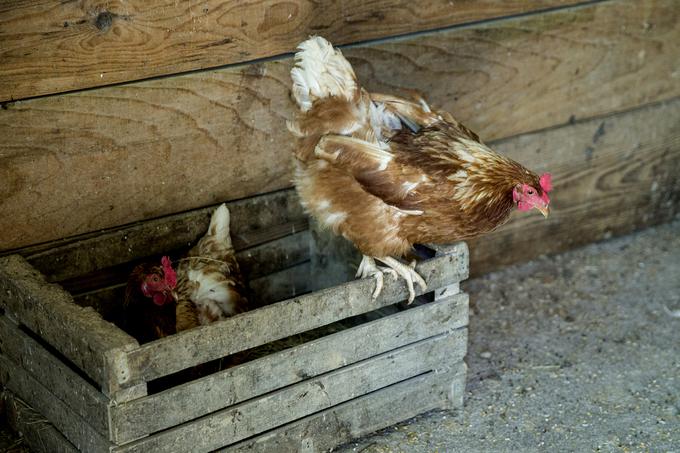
(530, 192)
(155, 279)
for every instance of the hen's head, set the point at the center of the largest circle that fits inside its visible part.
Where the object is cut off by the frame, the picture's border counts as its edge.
(529, 196)
(157, 282)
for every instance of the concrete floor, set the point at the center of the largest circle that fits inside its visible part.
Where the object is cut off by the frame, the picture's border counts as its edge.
(575, 352)
(570, 353)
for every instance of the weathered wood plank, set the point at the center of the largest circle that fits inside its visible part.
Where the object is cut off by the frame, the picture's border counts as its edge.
(78, 333)
(612, 175)
(39, 434)
(281, 285)
(204, 343)
(358, 417)
(126, 148)
(254, 221)
(65, 384)
(282, 406)
(255, 262)
(136, 418)
(75, 428)
(76, 45)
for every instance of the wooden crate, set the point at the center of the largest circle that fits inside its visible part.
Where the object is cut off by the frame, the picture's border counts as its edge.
(89, 379)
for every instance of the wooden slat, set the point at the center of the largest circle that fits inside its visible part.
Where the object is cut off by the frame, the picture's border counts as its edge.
(204, 343)
(612, 176)
(39, 434)
(359, 417)
(65, 384)
(282, 285)
(283, 406)
(78, 333)
(254, 221)
(126, 149)
(75, 428)
(255, 262)
(51, 46)
(136, 418)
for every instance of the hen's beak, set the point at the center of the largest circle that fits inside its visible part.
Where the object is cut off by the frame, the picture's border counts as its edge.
(545, 210)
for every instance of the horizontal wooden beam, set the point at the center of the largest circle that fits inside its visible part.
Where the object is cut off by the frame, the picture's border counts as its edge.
(612, 175)
(50, 46)
(177, 405)
(361, 416)
(254, 221)
(116, 155)
(304, 398)
(205, 343)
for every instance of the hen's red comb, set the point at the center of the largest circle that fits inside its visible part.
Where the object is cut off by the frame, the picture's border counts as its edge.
(546, 182)
(169, 272)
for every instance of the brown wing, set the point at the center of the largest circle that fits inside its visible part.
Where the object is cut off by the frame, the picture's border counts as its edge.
(403, 175)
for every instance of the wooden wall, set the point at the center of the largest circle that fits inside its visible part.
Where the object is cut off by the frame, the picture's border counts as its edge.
(126, 111)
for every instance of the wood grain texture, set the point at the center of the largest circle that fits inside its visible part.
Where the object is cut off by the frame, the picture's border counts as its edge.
(359, 417)
(51, 46)
(204, 343)
(81, 162)
(299, 400)
(232, 386)
(254, 221)
(612, 175)
(78, 333)
(65, 384)
(73, 426)
(40, 435)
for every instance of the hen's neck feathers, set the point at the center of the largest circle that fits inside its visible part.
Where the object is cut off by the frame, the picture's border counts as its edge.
(484, 177)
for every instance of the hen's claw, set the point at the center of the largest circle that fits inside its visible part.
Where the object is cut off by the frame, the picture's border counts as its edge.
(408, 273)
(396, 268)
(368, 268)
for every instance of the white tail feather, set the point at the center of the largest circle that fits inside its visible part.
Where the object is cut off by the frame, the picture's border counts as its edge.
(219, 225)
(321, 71)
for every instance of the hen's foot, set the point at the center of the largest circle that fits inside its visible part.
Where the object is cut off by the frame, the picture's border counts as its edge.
(408, 273)
(396, 268)
(368, 268)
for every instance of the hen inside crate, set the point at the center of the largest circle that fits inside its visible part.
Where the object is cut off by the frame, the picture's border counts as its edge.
(341, 352)
(279, 255)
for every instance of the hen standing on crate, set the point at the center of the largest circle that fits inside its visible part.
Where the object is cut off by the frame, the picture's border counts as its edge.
(387, 172)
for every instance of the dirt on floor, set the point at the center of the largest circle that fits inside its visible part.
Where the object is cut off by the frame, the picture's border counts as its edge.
(571, 353)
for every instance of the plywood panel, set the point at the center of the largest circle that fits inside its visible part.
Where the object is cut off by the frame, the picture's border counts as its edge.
(80, 162)
(53, 46)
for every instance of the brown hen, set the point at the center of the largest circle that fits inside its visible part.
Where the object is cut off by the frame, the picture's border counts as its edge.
(386, 172)
(207, 286)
